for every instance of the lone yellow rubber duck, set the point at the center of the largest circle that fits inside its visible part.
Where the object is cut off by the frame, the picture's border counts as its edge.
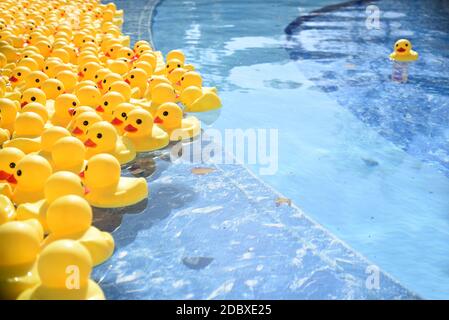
(403, 51)
(64, 269)
(59, 184)
(102, 137)
(140, 130)
(70, 217)
(107, 188)
(169, 117)
(20, 243)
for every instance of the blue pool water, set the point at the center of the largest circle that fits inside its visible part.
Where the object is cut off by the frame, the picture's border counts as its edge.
(363, 156)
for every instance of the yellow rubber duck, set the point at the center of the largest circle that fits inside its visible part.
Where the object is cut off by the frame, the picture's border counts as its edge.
(195, 100)
(68, 78)
(49, 138)
(20, 243)
(70, 217)
(123, 88)
(108, 80)
(102, 137)
(33, 95)
(53, 88)
(175, 78)
(192, 78)
(8, 109)
(31, 173)
(107, 188)
(59, 184)
(89, 96)
(176, 54)
(88, 70)
(169, 117)
(144, 136)
(18, 76)
(172, 65)
(64, 106)
(137, 79)
(59, 280)
(68, 154)
(82, 122)
(119, 115)
(9, 157)
(108, 103)
(7, 210)
(403, 51)
(27, 132)
(35, 79)
(161, 94)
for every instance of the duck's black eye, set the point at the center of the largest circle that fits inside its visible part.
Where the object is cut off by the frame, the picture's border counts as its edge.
(19, 74)
(182, 79)
(406, 44)
(19, 173)
(99, 136)
(96, 77)
(132, 76)
(104, 81)
(12, 165)
(46, 68)
(397, 45)
(74, 104)
(168, 66)
(124, 114)
(179, 66)
(85, 122)
(33, 98)
(85, 69)
(37, 80)
(139, 121)
(165, 113)
(59, 88)
(86, 168)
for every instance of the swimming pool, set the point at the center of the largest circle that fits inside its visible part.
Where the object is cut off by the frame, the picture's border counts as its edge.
(363, 156)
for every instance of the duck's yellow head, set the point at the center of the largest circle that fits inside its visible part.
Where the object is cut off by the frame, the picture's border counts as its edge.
(88, 70)
(191, 78)
(172, 65)
(120, 114)
(102, 170)
(28, 124)
(136, 78)
(51, 65)
(51, 135)
(9, 157)
(65, 104)
(58, 260)
(53, 88)
(139, 44)
(139, 123)
(89, 96)
(121, 87)
(31, 173)
(68, 215)
(19, 243)
(29, 63)
(68, 78)
(38, 109)
(68, 152)
(162, 93)
(63, 183)
(44, 47)
(156, 80)
(145, 66)
(102, 137)
(125, 52)
(8, 109)
(113, 50)
(150, 58)
(108, 80)
(35, 79)
(169, 116)
(18, 75)
(175, 77)
(33, 95)
(402, 47)
(108, 103)
(83, 121)
(176, 54)
(120, 66)
(190, 94)
(100, 75)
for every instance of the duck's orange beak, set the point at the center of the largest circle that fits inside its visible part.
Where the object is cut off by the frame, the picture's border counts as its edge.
(4, 175)
(116, 122)
(401, 50)
(130, 128)
(86, 189)
(13, 79)
(100, 85)
(158, 120)
(23, 104)
(99, 109)
(80, 74)
(90, 144)
(127, 81)
(11, 179)
(77, 131)
(71, 111)
(81, 174)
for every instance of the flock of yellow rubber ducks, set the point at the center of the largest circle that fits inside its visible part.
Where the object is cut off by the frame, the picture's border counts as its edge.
(76, 102)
